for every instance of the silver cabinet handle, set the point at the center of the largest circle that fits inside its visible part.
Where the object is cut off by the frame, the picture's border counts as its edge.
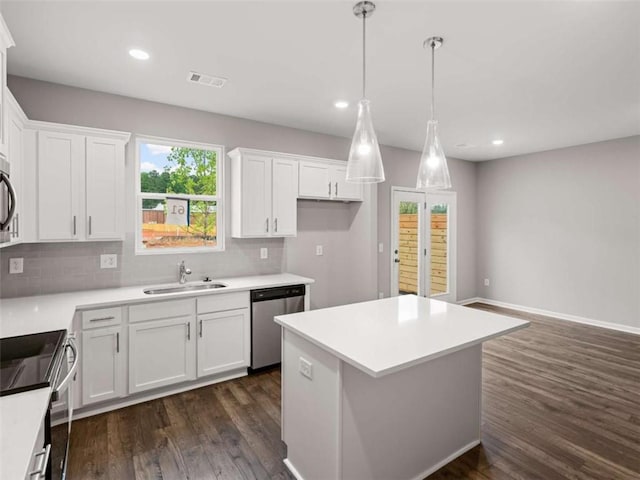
(102, 319)
(329, 188)
(188, 330)
(200, 328)
(40, 472)
(267, 225)
(117, 342)
(336, 189)
(16, 230)
(90, 219)
(74, 224)
(275, 226)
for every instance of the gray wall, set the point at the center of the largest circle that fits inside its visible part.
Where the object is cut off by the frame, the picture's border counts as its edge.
(560, 230)
(343, 273)
(401, 169)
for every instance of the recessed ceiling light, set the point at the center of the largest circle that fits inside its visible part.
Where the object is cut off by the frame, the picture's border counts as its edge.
(341, 104)
(498, 141)
(139, 54)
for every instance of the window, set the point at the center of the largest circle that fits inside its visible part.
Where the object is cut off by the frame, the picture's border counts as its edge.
(179, 196)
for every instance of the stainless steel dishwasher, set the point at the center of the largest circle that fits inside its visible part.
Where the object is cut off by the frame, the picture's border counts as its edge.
(267, 303)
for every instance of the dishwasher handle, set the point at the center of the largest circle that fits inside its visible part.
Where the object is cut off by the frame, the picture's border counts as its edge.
(275, 293)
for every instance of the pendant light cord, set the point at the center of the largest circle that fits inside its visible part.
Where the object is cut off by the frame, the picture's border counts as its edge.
(364, 54)
(433, 77)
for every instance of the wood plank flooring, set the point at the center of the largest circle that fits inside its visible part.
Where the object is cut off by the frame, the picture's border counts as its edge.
(561, 400)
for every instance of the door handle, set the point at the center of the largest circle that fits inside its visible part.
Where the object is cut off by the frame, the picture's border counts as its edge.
(200, 328)
(267, 228)
(329, 188)
(188, 330)
(89, 224)
(74, 224)
(336, 189)
(275, 225)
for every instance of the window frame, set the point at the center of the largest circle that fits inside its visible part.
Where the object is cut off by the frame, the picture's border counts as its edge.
(218, 198)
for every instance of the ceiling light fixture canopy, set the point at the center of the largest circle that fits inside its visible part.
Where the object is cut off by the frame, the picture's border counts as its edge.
(433, 172)
(139, 54)
(365, 162)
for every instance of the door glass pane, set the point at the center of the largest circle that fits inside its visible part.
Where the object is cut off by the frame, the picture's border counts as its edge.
(408, 248)
(439, 249)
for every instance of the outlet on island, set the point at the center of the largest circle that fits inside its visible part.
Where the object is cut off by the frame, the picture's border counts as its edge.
(264, 253)
(306, 368)
(16, 265)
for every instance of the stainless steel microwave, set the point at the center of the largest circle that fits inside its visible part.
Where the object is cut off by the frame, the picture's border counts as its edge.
(7, 202)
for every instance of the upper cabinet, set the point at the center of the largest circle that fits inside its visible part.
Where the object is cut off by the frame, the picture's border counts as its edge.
(264, 193)
(326, 180)
(6, 41)
(267, 185)
(79, 183)
(16, 121)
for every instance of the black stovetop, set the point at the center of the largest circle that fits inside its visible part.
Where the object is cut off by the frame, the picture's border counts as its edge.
(29, 361)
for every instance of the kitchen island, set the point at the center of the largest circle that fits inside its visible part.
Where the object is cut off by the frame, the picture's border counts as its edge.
(387, 389)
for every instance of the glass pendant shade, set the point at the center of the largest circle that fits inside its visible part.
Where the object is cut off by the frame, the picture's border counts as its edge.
(365, 161)
(433, 172)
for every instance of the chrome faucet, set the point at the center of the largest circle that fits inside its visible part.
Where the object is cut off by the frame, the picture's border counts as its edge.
(184, 271)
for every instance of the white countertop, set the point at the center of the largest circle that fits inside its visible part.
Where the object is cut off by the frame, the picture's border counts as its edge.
(25, 315)
(21, 414)
(384, 336)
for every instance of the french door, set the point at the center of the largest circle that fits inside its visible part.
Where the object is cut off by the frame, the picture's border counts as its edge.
(423, 248)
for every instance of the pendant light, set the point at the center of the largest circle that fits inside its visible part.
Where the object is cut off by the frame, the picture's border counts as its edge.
(365, 161)
(433, 172)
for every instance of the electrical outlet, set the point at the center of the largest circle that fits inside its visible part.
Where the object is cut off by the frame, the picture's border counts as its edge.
(380, 247)
(319, 250)
(380, 294)
(486, 282)
(306, 368)
(109, 260)
(16, 265)
(264, 253)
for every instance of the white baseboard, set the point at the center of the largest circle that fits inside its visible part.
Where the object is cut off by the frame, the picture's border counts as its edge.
(557, 315)
(446, 460)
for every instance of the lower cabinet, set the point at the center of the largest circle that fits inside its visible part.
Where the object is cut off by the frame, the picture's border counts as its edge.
(103, 366)
(223, 341)
(161, 353)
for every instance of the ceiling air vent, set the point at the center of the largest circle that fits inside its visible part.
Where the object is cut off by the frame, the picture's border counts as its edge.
(208, 80)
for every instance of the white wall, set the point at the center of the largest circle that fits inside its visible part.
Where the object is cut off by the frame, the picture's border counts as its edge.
(560, 230)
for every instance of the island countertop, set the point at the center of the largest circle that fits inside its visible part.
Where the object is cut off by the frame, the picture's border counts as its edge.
(384, 336)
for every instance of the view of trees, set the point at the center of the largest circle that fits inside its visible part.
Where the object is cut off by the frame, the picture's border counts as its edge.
(189, 171)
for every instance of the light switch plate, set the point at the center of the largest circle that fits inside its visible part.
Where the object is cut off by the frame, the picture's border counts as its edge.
(306, 368)
(109, 260)
(319, 250)
(487, 282)
(16, 265)
(264, 253)
(380, 247)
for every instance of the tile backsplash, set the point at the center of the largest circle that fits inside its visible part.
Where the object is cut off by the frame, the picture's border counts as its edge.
(64, 267)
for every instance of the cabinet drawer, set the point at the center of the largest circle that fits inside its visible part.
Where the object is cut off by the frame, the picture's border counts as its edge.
(103, 317)
(158, 310)
(225, 301)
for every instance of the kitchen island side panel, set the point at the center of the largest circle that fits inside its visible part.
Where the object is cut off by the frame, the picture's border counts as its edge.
(310, 409)
(421, 417)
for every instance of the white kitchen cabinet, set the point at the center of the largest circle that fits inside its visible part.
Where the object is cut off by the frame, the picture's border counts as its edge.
(161, 353)
(60, 169)
(6, 41)
(103, 364)
(264, 193)
(326, 180)
(15, 150)
(223, 341)
(104, 188)
(80, 183)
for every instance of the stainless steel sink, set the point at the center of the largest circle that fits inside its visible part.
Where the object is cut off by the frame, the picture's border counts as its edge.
(183, 288)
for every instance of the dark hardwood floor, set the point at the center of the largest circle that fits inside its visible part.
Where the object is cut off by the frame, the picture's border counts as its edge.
(561, 400)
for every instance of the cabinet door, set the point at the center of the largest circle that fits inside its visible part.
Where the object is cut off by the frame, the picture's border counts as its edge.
(161, 352)
(314, 180)
(60, 159)
(285, 197)
(16, 155)
(256, 196)
(102, 365)
(341, 189)
(223, 341)
(105, 188)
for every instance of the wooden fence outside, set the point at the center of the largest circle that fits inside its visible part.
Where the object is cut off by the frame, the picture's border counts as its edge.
(408, 253)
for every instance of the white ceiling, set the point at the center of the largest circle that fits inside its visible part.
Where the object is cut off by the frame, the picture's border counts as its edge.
(540, 75)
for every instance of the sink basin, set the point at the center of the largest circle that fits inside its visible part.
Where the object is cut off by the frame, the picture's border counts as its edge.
(183, 288)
